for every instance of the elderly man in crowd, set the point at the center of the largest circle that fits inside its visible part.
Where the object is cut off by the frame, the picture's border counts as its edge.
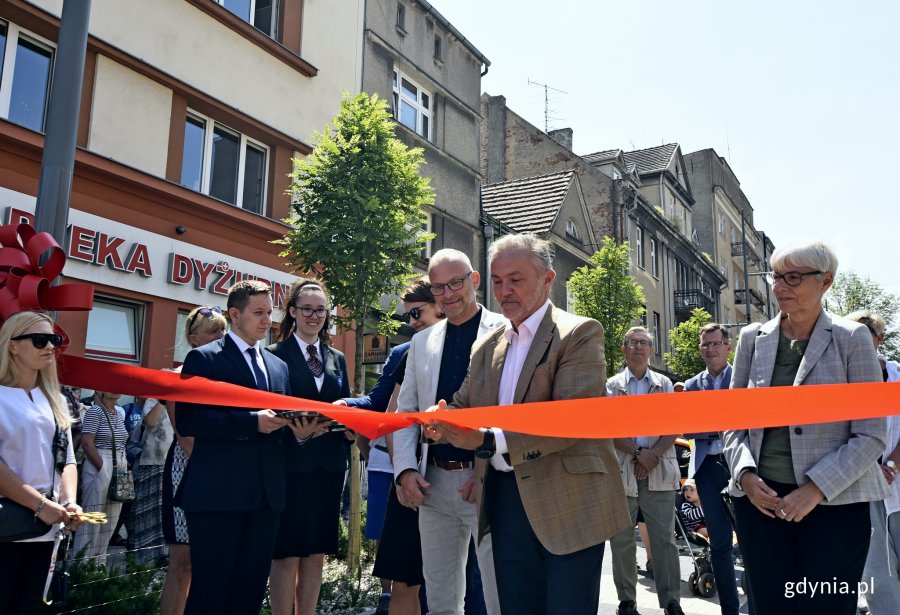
(651, 476)
(709, 469)
(548, 503)
(435, 368)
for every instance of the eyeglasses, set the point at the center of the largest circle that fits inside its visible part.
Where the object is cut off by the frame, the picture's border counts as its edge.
(707, 345)
(454, 284)
(413, 314)
(638, 343)
(40, 340)
(206, 312)
(791, 278)
(308, 311)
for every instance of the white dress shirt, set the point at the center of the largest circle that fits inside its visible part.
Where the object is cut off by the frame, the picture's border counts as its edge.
(303, 345)
(243, 346)
(519, 340)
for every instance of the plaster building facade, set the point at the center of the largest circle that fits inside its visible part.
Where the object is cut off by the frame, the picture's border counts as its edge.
(190, 117)
(723, 217)
(431, 75)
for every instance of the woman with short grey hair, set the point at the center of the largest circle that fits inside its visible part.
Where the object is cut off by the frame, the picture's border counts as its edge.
(804, 490)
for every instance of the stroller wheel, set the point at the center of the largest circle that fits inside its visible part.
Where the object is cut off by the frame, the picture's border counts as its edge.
(706, 584)
(692, 583)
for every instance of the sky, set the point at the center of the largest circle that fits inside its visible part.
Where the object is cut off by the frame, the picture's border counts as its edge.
(801, 97)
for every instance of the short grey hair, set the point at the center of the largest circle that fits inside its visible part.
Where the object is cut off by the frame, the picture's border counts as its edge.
(873, 321)
(449, 255)
(634, 330)
(539, 248)
(815, 255)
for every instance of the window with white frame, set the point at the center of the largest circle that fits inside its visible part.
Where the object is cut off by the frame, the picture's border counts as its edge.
(182, 347)
(425, 254)
(721, 224)
(412, 104)
(401, 16)
(657, 332)
(654, 261)
(639, 246)
(26, 63)
(115, 329)
(224, 164)
(261, 14)
(572, 229)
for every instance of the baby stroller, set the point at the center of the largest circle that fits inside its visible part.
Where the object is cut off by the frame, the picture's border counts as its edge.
(701, 580)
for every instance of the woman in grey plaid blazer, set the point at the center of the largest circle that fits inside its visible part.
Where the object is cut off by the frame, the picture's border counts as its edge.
(803, 521)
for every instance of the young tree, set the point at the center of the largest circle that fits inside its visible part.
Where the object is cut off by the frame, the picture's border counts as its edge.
(851, 292)
(685, 360)
(605, 292)
(357, 218)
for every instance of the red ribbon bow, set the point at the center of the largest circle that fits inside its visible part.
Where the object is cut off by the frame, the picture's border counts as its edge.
(25, 283)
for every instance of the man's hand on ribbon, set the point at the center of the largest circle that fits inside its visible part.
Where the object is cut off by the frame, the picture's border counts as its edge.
(460, 437)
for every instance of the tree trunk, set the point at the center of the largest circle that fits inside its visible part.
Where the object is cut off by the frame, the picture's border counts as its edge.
(354, 542)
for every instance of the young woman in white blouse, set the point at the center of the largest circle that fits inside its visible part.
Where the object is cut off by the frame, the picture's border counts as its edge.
(31, 410)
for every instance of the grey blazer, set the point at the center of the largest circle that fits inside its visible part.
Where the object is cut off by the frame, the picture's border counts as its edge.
(841, 458)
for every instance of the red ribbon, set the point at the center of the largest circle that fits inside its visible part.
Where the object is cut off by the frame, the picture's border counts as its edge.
(602, 417)
(25, 284)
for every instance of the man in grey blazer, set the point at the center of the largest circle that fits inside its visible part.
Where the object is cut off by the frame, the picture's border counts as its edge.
(442, 488)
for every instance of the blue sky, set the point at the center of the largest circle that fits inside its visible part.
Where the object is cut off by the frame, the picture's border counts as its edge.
(801, 97)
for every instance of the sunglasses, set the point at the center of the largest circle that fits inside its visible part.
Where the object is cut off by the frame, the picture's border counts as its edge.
(206, 312)
(40, 340)
(415, 313)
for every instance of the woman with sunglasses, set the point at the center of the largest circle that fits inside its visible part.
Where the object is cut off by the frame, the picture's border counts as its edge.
(398, 563)
(204, 324)
(309, 526)
(37, 466)
(804, 510)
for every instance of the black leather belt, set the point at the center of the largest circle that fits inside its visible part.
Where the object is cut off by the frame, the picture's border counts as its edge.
(383, 449)
(453, 466)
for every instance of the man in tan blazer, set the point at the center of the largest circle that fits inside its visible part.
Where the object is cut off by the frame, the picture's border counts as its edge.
(548, 503)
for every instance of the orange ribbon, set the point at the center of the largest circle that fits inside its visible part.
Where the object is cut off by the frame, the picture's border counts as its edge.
(601, 417)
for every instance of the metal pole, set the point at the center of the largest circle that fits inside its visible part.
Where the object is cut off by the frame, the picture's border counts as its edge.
(58, 161)
(746, 273)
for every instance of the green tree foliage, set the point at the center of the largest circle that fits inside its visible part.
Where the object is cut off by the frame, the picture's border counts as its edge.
(605, 292)
(357, 218)
(685, 360)
(851, 292)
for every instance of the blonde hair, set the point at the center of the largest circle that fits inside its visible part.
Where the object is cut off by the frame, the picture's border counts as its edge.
(873, 321)
(195, 324)
(47, 379)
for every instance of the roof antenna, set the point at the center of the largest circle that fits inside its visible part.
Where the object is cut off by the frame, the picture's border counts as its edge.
(547, 89)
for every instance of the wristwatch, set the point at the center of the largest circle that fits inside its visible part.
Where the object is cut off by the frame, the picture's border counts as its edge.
(637, 451)
(891, 465)
(488, 445)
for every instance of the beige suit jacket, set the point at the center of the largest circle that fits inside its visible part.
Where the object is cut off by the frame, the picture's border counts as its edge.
(570, 488)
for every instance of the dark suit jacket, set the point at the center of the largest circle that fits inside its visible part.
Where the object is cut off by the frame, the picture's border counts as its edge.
(327, 452)
(233, 466)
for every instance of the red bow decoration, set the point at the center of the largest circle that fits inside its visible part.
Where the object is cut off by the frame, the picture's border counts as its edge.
(25, 283)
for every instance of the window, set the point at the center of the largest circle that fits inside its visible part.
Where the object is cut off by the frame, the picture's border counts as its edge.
(224, 164)
(182, 347)
(734, 235)
(616, 175)
(572, 229)
(657, 332)
(401, 17)
(26, 63)
(644, 316)
(570, 299)
(260, 13)
(412, 105)
(639, 247)
(115, 330)
(425, 254)
(437, 48)
(721, 224)
(654, 260)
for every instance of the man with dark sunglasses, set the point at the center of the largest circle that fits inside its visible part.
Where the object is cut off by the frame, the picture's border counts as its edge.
(436, 366)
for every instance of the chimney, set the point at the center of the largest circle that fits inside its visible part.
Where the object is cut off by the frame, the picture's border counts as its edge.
(563, 136)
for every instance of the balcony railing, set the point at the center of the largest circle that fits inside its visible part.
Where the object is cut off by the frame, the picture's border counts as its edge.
(687, 301)
(737, 249)
(756, 298)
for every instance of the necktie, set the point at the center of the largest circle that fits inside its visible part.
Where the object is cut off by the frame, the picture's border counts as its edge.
(315, 364)
(258, 374)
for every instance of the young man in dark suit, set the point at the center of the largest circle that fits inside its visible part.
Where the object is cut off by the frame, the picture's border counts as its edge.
(234, 485)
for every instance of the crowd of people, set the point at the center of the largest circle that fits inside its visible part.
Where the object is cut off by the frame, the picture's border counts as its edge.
(467, 520)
